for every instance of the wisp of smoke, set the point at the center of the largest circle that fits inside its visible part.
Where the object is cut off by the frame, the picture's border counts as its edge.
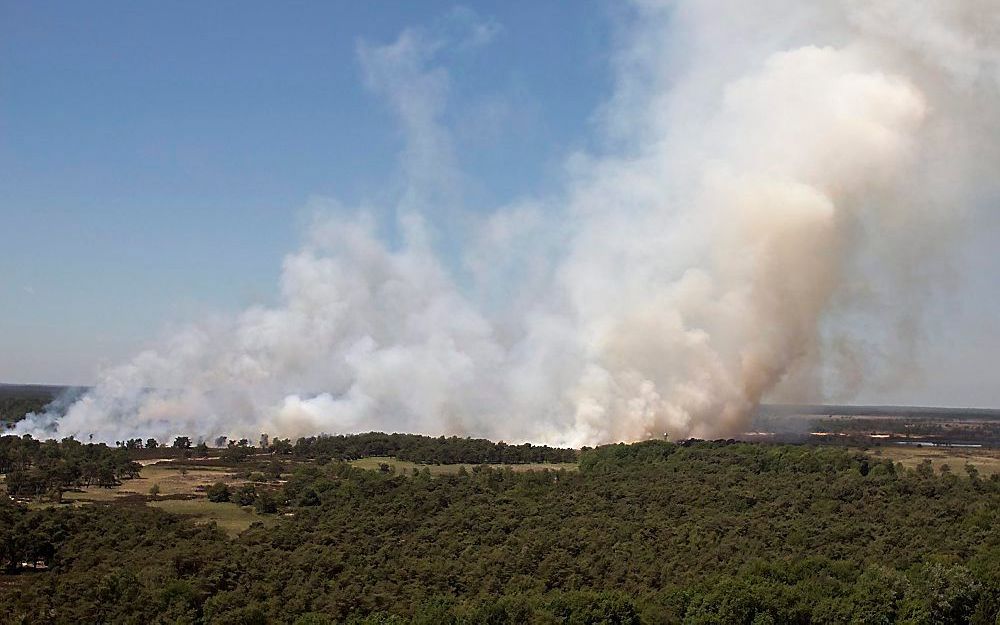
(770, 169)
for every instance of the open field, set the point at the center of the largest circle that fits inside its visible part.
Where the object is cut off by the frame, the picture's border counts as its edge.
(231, 518)
(986, 460)
(177, 479)
(403, 466)
(174, 480)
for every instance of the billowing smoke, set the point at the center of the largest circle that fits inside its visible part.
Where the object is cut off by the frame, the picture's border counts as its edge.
(778, 185)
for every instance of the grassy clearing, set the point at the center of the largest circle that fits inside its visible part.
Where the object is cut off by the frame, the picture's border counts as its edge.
(231, 518)
(175, 480)
(93, 493)
(41, 505)
(171, 479)
(987, 461)
(406, 467)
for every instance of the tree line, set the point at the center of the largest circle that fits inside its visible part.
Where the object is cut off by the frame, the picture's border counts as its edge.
(34, 468)
(14, 408)
(425, 449)
(410, 447)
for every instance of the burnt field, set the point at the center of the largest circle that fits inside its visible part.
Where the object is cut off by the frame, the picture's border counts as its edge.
(878, 425)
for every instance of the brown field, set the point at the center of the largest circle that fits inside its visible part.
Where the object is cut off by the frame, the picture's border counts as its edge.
(177, 480)
(986, 460)
(172, 479)
(186, 487)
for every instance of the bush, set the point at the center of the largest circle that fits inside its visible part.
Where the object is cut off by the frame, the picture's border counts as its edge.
(246, 495)
(237, 453)
(265, 503)
(218, 492)
(274, 469)
(154, 490)
(309, 498)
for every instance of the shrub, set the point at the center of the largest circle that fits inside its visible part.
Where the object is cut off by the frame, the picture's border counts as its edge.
(218, 492)
(246, 495)
(265, 503)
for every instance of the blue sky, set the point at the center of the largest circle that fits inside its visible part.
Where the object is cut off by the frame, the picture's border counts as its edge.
(156, 160)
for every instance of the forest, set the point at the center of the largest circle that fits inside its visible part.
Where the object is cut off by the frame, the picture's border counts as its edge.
(654, 532)
(428, 449)
(34, 468)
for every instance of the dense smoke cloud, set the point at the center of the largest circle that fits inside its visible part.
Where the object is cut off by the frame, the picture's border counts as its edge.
(776, 174)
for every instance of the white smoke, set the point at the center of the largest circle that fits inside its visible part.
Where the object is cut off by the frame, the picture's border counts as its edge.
(774, 172)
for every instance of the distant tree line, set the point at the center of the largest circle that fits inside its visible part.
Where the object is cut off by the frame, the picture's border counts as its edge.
(14, 408)
(410, 447)
(18, 400)
(424, 449)
(943, 431)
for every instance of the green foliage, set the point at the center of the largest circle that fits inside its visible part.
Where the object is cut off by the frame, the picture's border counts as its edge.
(237, 451)
(246, 495)
(218, 492)
(657, 532)
(314, 618)
(426, 449)
(274, 469)
(34, 468)
(266, 503)
(309, 498)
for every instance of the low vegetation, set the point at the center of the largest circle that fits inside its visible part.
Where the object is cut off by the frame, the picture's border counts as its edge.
(985, 461)
(228, 517)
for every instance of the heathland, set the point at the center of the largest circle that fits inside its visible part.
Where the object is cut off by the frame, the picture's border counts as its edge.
(409, 529)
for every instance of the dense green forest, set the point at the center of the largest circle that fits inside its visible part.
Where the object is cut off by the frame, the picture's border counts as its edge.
(426, 449)
(655, 532)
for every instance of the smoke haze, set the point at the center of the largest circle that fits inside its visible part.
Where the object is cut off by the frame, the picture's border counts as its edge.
(777, 196)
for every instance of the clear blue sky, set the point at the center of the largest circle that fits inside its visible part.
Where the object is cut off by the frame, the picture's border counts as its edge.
(156, 158)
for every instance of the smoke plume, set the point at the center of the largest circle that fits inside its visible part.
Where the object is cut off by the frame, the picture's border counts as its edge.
(777, 185)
